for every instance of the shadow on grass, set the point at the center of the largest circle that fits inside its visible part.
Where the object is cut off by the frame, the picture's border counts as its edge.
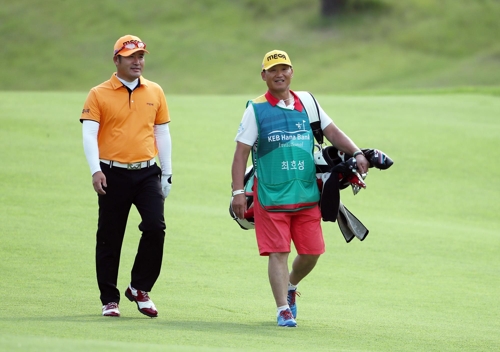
(159, 323)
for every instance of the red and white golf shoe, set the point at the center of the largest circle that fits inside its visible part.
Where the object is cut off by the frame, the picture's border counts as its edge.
(110, 310)
(144, 304)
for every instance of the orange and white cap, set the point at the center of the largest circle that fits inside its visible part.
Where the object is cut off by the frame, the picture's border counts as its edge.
(129, 44)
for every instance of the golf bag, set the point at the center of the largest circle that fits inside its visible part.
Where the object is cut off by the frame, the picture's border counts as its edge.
(335, 171)
(247, 222)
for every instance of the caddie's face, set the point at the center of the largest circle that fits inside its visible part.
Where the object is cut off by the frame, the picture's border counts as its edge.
(278, 78)
(129, 67)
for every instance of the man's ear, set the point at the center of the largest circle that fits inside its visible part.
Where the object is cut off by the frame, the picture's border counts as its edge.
(263, 75)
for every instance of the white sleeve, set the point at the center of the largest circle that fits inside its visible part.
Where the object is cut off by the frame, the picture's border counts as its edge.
(164, 145)
(90, 147)
(247, 132)
(325, 119)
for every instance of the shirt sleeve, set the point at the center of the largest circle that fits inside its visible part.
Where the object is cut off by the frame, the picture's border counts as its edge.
(91, 109)
(247, 132)
(90, 130)
(162, 116)
(164, 145)
(325, 119)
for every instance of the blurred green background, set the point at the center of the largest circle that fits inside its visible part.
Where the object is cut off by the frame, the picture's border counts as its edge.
(216, 46)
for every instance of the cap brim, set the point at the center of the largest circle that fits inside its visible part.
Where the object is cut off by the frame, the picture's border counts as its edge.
(275, 64)
(131, 51)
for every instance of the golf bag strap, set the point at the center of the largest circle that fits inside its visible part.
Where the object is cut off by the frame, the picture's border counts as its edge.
(312, 109)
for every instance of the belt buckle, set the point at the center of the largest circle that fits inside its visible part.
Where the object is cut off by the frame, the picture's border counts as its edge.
(134, 166)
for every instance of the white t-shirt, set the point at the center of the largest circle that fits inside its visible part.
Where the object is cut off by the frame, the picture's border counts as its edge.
(248, 131)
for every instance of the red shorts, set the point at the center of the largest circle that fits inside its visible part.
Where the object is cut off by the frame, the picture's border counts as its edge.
(276, 230)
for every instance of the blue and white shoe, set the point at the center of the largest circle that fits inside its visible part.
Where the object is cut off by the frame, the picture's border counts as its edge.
(285, 319)
(292, 294)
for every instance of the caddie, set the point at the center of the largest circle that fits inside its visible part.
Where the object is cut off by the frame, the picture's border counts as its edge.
(275, 129)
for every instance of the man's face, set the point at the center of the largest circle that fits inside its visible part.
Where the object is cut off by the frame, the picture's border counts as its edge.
(278, 78)
(129, 67)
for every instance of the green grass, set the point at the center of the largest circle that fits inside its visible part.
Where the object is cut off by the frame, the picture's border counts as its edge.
(425, 279)
(419, 80)
(214, 47)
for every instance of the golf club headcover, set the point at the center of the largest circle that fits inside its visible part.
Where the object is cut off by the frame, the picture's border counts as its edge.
(378, 159)
(348, 174)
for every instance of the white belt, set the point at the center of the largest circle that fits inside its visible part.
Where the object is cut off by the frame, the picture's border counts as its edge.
(133, 166)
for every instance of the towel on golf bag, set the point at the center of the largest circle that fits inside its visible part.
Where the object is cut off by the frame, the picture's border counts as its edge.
(329, 196)
(349, 225)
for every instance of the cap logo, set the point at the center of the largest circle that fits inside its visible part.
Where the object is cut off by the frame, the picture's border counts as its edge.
(131, 44)
(276, 56)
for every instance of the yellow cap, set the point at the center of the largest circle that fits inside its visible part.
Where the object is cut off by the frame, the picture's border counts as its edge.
(275, 57)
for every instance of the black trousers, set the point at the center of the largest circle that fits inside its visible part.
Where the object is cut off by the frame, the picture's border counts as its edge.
(141, 188)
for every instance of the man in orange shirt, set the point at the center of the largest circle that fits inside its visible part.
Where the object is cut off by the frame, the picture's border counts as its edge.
(125, 126)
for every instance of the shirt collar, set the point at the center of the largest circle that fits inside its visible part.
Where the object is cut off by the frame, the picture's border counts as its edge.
(116, 83)
(297, 105)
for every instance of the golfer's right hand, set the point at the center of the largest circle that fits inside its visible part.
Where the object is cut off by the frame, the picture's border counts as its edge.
(99, 181)
(239, 205)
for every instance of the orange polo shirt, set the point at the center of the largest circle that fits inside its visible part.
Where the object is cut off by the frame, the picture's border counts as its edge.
(126, 120)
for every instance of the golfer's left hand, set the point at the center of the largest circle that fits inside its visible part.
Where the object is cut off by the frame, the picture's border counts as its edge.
(166, 184)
